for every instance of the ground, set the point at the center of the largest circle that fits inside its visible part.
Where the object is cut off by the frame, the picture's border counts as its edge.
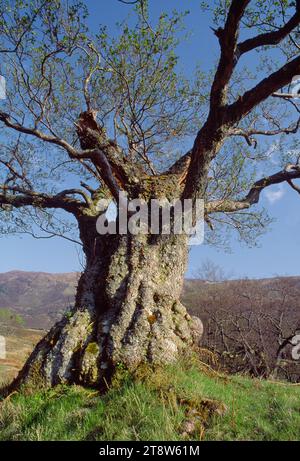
(179, 402)
(19, 344)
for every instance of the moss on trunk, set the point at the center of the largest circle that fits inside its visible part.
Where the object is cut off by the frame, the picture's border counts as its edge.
(127, 312)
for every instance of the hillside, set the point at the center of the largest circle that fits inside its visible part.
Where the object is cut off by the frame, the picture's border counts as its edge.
(249, 324)
(41, 298)
(201, 403)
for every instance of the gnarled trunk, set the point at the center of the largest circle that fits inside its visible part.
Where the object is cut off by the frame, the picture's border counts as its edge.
(127, 311)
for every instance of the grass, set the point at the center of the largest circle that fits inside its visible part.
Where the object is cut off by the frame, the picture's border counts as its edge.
(148, 407)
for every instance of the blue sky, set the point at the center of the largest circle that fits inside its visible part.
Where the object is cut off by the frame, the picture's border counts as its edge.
(278, 250)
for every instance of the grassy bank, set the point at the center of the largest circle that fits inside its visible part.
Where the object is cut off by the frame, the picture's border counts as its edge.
(178, 403)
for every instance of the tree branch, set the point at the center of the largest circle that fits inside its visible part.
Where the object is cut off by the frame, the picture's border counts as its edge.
(6, 119)
(113, 167)
(25, 31)
(228, 42)
(87, 199)
(292, 129)
(181, 167)
(223, 117)
(230, 206)
(270, 38)
(293, 186)
(129, 2)
(261, 91)
(39, 200)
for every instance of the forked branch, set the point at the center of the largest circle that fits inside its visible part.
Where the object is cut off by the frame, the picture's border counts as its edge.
(290, 173)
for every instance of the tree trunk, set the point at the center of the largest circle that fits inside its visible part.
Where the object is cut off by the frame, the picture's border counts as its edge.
(127, 311)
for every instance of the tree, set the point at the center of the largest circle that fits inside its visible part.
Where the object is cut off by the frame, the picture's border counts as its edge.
(212, 272)
(111, 115)
(250, 325)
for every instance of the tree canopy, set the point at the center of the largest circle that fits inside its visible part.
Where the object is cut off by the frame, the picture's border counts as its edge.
(152, 118)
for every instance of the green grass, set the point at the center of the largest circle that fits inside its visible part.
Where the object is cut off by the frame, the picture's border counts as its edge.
(150, 408)
(7, 316)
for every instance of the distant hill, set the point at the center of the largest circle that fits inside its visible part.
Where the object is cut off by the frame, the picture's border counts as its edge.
(250, 325)
(40, 298)
(241, 294)
(247, 323)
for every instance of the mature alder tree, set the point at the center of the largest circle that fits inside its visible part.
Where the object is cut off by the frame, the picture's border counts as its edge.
(89, 115)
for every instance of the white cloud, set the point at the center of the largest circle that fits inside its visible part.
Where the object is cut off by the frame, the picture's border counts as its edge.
(273, 195)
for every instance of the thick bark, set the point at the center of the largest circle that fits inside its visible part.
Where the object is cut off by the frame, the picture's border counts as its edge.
(127, 311)
(127, 308)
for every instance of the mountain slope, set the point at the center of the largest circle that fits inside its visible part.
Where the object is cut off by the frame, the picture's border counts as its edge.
(40, 298)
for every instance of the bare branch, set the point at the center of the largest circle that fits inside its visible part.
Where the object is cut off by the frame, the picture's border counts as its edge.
(129, 2)
(39, 200)
(262, 91)
(181, 167)
(25, 31)
(50, 234)
(75, 192)
(284, 95)
(292, 129)
(6, 119)
(270, 38)
(229, 206)
(293, 186)
(111, 164)
(228, 42)
(91, 72)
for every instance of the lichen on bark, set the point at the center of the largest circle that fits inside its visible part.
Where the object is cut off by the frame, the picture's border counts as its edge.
(127, 312)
